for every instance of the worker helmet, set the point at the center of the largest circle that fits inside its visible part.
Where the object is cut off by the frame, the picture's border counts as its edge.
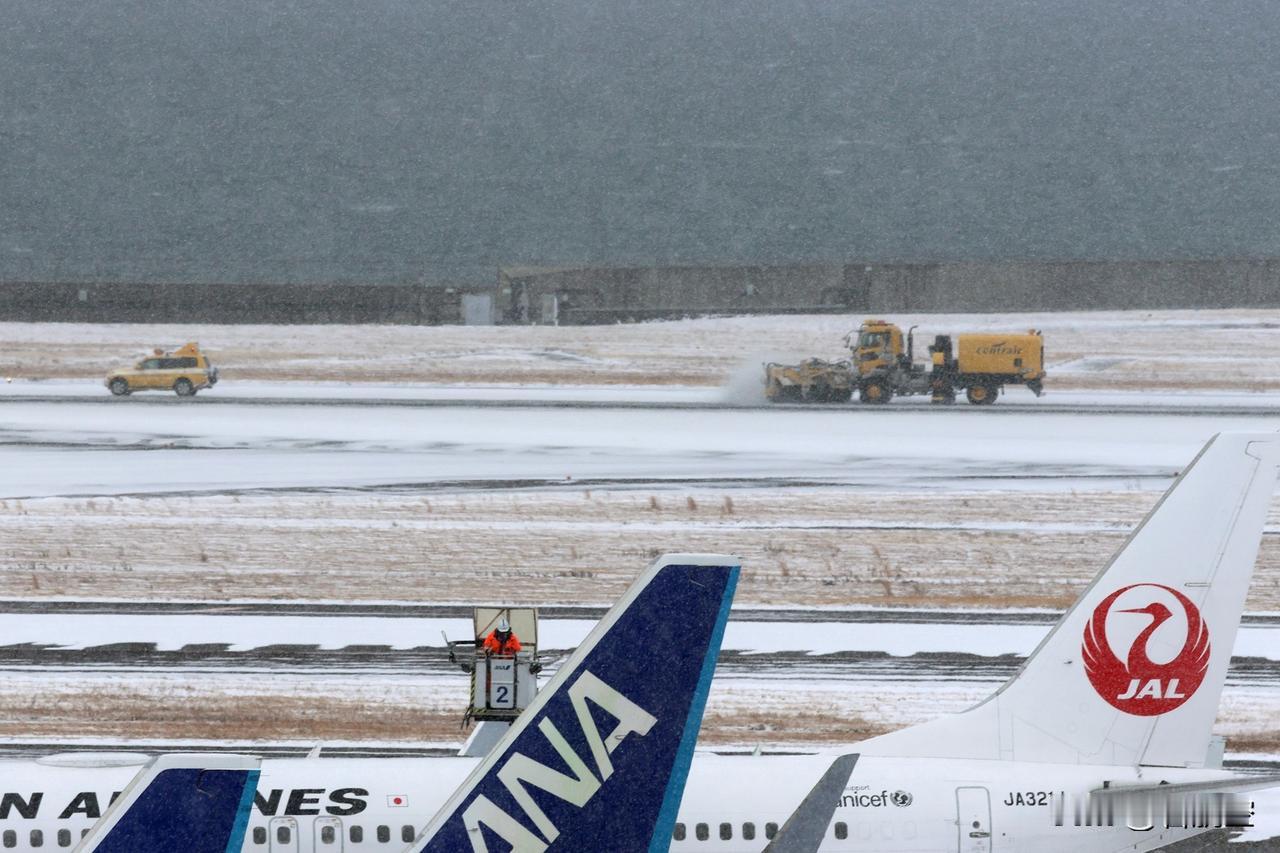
(504, 627)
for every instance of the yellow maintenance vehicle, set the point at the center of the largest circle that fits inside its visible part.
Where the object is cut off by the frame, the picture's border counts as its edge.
(883, 367)
(979, 364)
(185, 371)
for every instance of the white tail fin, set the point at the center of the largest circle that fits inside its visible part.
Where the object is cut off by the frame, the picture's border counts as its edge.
(1132, 673)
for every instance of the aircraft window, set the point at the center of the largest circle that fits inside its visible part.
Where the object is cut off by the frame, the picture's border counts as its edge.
(357, 834)
(259, 835)
(770, 830)
(37, 838)
(283, 834)
(10, 838)
(702, 832)
(84, 832)
(64, 838)
(726, 832)
(678, 835)
(384, 834)
(842, 830)
(749, 831)
(406, 833)
(327, 835)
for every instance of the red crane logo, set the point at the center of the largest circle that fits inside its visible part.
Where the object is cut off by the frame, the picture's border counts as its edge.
(1139, 685)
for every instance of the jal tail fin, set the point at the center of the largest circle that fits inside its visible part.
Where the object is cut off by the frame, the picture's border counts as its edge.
(1132, 673)
(599, 759)
(180, 804)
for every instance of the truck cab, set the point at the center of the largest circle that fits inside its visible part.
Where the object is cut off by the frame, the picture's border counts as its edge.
(878, 345)
(885, 362)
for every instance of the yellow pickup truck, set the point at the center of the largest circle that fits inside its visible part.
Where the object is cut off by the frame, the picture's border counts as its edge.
(184, 371)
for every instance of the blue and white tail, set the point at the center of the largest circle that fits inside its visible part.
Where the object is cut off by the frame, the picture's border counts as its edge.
(599, 759)
(180, 804)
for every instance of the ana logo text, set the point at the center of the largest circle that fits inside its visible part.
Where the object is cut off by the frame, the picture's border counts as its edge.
(520, 770)
(1138, 685)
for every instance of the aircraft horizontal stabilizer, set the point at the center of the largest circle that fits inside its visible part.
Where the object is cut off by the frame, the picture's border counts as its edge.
(599, 759)
(179, 804)
(1229, 785)
(804, 830)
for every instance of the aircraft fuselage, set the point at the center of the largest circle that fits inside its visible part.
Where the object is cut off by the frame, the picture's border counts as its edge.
(326, 805)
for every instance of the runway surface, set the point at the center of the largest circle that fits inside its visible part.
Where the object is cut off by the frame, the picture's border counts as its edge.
(84, 448)
(738, 395)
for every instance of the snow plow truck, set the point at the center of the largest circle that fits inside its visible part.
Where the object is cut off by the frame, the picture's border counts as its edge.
(883, 366)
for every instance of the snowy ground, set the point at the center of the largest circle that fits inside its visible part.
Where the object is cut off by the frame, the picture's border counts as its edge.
(779, 683)
(1179, 351)
(803, 546)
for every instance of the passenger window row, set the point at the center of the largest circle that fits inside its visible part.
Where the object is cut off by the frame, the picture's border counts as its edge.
(702, 831)
(9, 839)
(329, 834)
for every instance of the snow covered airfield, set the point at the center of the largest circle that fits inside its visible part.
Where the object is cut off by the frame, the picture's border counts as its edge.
(897, 561)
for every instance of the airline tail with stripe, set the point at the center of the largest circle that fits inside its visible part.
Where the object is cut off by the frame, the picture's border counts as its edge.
(179, 804)
(599, 759)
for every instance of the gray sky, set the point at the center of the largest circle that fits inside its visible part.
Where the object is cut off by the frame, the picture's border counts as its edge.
(403, 140)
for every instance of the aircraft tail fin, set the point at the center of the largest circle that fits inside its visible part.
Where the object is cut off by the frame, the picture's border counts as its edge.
(179, 804)
(599, 759)
(1133, 672)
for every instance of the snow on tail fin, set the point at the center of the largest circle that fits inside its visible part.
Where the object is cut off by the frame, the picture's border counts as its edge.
(599, 759)
(179, 804)
(1132, 673)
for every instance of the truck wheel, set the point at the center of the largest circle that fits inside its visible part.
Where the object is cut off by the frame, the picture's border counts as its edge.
(841, 395)
(981, 395)
(184, 388)
(119, 387)
(877, 393)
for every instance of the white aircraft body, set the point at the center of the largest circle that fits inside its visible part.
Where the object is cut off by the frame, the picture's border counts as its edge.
(1119, 698)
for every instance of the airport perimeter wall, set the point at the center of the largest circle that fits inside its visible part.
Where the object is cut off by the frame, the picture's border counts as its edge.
(601, 296)
(586, 295)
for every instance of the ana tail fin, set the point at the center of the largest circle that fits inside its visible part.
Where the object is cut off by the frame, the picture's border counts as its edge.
(599, 759)
(180, 804)
(1132, 673)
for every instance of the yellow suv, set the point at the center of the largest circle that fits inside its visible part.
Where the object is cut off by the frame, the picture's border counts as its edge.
(185, 371)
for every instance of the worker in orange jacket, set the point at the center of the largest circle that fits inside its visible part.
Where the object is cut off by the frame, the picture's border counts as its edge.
(502, 640)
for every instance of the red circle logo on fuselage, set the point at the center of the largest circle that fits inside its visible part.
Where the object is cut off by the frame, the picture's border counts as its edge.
(1139, 685)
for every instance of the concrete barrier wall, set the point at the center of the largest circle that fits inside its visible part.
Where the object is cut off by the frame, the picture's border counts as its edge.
(231, 303)
(619, 294)
(597, 296)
